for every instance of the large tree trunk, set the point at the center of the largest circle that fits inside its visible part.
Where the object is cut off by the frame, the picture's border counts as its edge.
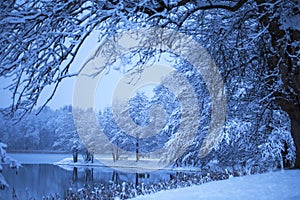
(294, 114)
(296, 135)
(282, 56)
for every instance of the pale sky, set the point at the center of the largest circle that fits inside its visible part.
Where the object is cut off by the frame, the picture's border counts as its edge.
(64, 93)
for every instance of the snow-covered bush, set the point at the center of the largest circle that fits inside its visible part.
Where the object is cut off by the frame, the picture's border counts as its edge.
(3, 183)
(256, 135)
(278, 150)
(4, 159)
(244, 151)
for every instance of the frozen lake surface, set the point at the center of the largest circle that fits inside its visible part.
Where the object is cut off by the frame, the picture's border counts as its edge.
(38, 158)
(39, 177)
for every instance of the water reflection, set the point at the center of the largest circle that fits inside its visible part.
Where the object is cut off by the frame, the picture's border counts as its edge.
(38, 180)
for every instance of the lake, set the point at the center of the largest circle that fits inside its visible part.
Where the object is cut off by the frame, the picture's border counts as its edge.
(41, 178)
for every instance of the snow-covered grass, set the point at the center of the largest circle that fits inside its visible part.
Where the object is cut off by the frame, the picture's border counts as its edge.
(272, 185)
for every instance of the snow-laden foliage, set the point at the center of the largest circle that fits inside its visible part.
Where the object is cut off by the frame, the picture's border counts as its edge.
(4, 159)
(3, 183)
(50, 130)
(140, 109)
(40, 39)
(279, 146)
(255, 138)
(254, 43)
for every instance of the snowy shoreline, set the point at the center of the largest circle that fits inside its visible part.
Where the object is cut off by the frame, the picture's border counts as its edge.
(126, 165)
(279, 185)
(65, 161)
(283, 184)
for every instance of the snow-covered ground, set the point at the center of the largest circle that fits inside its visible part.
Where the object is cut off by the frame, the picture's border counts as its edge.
(273, 185)
(127, 165)
(68, 164)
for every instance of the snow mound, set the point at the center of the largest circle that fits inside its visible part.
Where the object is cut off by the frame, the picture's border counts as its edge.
(68, 163)
(273, 185)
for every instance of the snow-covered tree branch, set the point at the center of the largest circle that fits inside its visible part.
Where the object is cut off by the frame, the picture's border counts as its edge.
(40, 39)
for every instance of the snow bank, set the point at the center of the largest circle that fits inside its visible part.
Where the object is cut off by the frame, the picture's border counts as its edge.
(68, 163)
(129, 165)
(272, 185)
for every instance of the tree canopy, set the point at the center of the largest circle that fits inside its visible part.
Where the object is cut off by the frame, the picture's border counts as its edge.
(261, 38)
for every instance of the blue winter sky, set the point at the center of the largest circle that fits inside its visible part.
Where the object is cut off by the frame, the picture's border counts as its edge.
(64, 93)
(63, 96)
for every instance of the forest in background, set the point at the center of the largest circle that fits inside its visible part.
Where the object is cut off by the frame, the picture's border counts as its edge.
(254, 140)
(254, 44)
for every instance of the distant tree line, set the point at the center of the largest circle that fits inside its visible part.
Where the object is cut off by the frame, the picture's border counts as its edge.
(254, 138)
(250, 40)
(51, 130)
